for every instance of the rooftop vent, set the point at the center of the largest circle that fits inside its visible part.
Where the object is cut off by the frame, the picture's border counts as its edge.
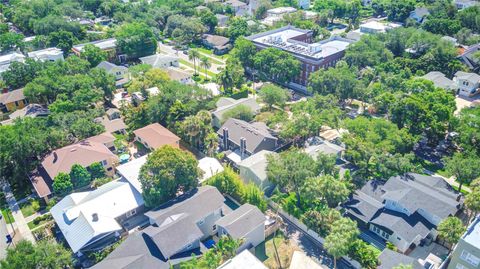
(94, 217)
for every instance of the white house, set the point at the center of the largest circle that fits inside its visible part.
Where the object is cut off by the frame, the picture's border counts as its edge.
(160, 60)
(253, 169)
(120, 72)
(50, 54)
(6, 60)
(461, 4)
(468, 83)
(210, 167)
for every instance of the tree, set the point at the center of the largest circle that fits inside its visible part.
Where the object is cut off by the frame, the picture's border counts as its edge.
(289, 170)
(63, 40)
(326, 189)
(472, 201)
(195, 129)
(403, 266)
(228, 182)
(209, 19)
(321, 221)
(19, 74)
(136, 40)
(277, 64)
(253, 195)
(62, 184)
(167, 172)
(79, 176)
(232, 76)
(241, 112)
(339, 241)
(244, 50)
(93, 54)
(194, 56)
(450, 230)
(369, 51)
(96, 170)
(340, 81)
(10, 41)
(205, 63)
(465, 125)
(462, 166)
(44, 254)
(237, 27)
(442, 26)
(273, 95)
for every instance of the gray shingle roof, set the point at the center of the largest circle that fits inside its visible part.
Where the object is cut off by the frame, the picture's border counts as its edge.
(225, 104)
(389, 259)
(157, 60)
(407, 227)
(198, 204)
(257, 136)
(242, 221)
(440, 80)
(108, 66)
(472, 77)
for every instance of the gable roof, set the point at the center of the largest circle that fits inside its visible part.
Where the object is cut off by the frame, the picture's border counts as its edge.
(324, 147)
(177, 74)
(235, 3)
(257, 163)
(243, 260)
(256, 134)
(197, 203)
(108, 66)
(131, 170)
(468, 58)
(216, 40)
(31, 110)
(471, 77)
(440, 80)
(83, 216)
(155, 135)
(111, 126)
(389, 259)
(242, 221)
(12, 96)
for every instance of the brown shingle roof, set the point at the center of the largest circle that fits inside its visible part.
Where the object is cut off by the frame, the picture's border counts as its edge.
(155, 135)
(12, 96)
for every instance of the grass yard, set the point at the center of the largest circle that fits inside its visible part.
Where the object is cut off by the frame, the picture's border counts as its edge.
(7, 216)
(30, 207)
(39, 221)
(200, 70)
(267, 254)
(221, 58)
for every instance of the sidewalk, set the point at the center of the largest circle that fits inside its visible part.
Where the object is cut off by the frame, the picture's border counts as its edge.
(20, 223)
(453, 182)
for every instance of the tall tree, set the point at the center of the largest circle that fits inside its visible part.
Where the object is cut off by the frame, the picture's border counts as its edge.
(93, 54)
(338, 242)
(326, 189)
(450, 230)
(194, 56)
(167, 172)
(462, 166)
(62, 184)
(79, 176)
(290, 169)
(136, 40)
(273, 95)
(276, 64)
(205, 63)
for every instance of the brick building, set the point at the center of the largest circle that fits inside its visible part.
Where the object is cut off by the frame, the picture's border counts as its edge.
(298, 42)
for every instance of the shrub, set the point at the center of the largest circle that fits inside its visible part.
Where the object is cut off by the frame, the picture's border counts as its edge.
(35, 205)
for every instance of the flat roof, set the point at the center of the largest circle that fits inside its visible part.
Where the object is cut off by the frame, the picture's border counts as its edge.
(243, 260)
(44, 52)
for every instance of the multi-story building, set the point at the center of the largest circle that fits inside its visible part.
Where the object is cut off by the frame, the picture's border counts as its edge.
(467, 252)
(298, 42)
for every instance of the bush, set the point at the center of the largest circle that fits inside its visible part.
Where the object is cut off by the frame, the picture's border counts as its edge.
(365, 254)
(253, 195)
(35, 205)
(101, 181)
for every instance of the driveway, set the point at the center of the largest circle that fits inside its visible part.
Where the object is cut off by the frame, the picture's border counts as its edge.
(463, 102)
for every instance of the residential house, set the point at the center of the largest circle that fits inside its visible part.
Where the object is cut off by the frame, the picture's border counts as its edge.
(31, 110)
(238, 7)
(419, 14)
(254, 169)
(177, 74)
(301, 261)
(225, 104)
(160, 61)
(246, 223)
(91, 220)
(154, 136)
(219, 44)
(121, 73)
(49, 54)
(7, 59)
(441, 81)
(108, 45)
(222, 20)
(304, 4)
(466, 254)
(86, 152)
(112, 121)
(275, 15)
(298, 42)
(326, 148)
(405, 210)
(468, 84)
(177, 228)
(469, 59)
(461, 4)
(371, 27)
(12, 100)
(138, 97)
(210, 167)
(389, 259)
(243, 260)
(243, 139)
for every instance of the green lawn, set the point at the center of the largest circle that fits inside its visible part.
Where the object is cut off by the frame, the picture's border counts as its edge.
(266, 253)
(464, 192)
(200, 70)
(210, 52)
(27, 209)
(7, 216)
(39, 221)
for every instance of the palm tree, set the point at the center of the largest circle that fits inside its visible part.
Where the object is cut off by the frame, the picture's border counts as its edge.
(193, 55)
(205, 63)
(225, 79)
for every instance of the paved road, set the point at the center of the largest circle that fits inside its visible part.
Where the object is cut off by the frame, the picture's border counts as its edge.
(311, 247)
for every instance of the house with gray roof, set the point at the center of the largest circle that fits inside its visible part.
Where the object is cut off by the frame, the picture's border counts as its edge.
(405, 210)
(468, 83)
(246, 223)
(326, 148)
(441, 81)
(246, 138)
(218, 43)
(389, 259)
(254, 169)
(225, 104)
(461, 4)
(468, 57)
(119, 72)
(160, 61)
(419, 14)
(466, 254)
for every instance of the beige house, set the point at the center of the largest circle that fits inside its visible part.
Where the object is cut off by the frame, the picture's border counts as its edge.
(86, 152)
(466, 254)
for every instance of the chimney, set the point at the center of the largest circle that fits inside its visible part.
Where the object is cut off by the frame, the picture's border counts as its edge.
(55, 157)
(243, 147)
(94, 217)
(225, 138)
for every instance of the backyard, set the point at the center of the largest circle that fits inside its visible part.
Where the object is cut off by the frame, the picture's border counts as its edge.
(267, 254)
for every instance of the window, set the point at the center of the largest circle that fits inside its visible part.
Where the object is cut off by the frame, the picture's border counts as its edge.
(399, 239)
(471, 259)
(131, 213)
(201, 222)
(214, 227)
(460, 266)
(16, 103)
(104, 162)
